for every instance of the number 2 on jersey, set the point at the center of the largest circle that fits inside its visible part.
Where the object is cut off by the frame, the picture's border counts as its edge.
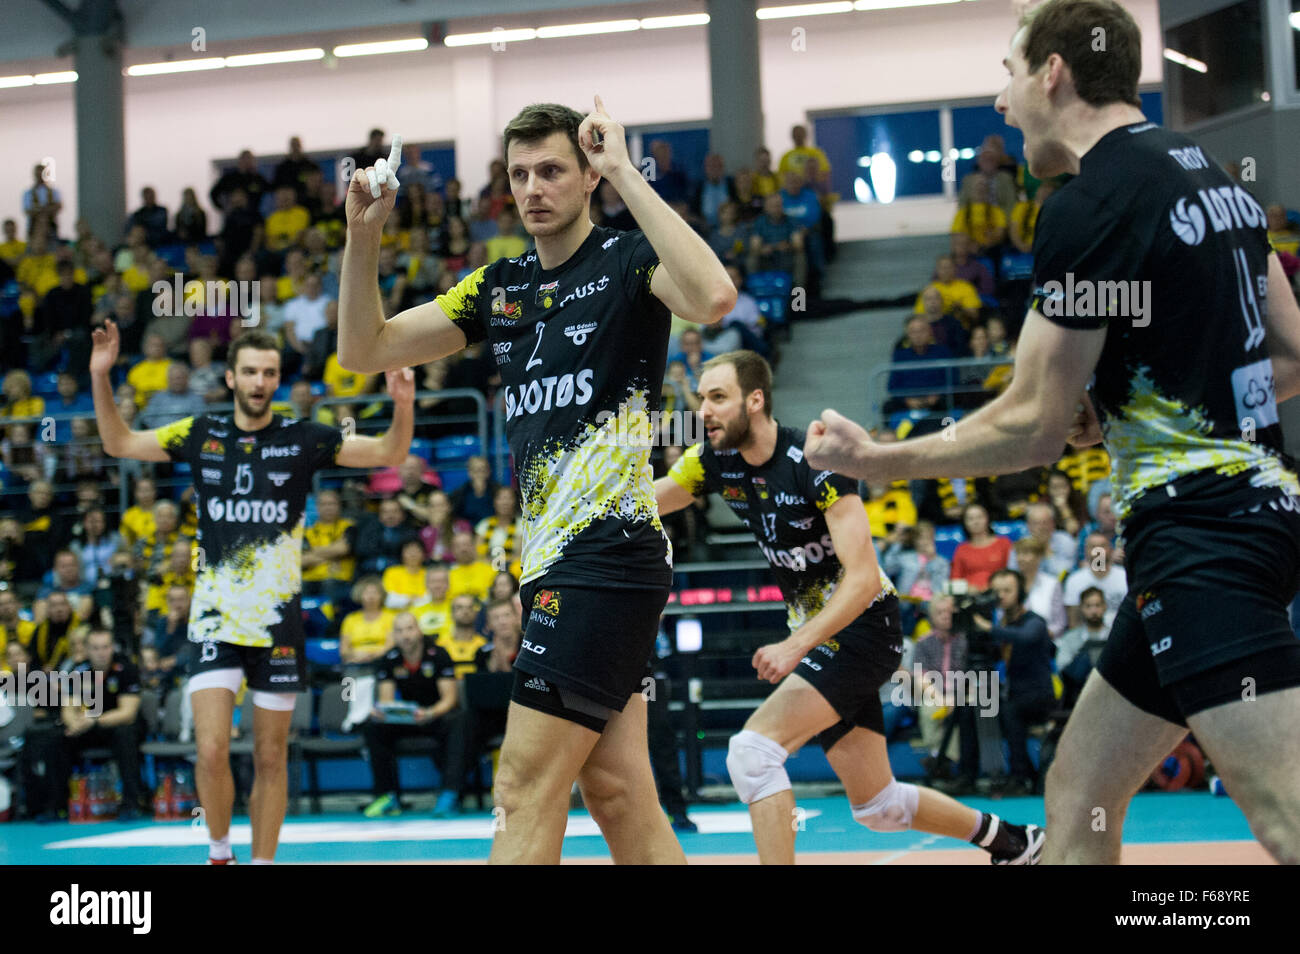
(533, 359)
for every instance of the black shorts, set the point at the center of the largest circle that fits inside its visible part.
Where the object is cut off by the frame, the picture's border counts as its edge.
(850, 667)
(589, 642)
(1207, 607)
(267, 668)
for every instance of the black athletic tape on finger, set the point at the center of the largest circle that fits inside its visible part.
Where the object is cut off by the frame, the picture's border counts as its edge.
(596, 137)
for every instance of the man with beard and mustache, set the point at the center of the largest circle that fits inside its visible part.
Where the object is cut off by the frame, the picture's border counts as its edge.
(252, 473)
(579, 330)
(845, 637)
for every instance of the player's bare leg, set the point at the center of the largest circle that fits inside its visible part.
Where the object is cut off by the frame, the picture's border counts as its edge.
(1108, 750)
(270, 796)
(540, 760)
(1255, 748)
(788, 717)
(618, 789)
(213, 714)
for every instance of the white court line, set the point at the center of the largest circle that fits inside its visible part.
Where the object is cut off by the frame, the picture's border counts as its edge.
(167, 835)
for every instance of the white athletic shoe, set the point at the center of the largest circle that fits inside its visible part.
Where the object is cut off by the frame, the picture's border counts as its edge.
(1035, 837)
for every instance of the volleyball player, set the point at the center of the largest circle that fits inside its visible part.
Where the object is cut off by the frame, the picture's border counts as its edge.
(578, 329)
(1186, 380)
(252, 472)
(845, 637)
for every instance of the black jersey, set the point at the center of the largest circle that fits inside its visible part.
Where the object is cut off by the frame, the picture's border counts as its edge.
(581, 351)
(121, 678)
(1155, 243)
(783, 503)
(251, 492)
(418, 683)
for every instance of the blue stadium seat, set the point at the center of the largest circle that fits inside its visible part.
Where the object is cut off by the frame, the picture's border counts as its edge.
(456, 448)
(947, 539)
(986, 262)
(281, 393)
(317, 612)
(452, 477)
(323, 652)
(1017, 266)
(422, 447)
(173, 255)
(9, 299)
(1015, 529)
(46, 385)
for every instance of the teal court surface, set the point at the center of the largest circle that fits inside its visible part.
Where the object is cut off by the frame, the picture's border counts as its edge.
(1161, 828)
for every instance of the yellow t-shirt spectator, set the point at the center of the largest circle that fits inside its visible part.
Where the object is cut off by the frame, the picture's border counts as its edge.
(284, 225)
(796, 160)
(22, 631)
(367, 635)
(156, 594)
(403, 587)
(286, 288)
(894, 508)
(1287, 241)
(505, 246)
(148, 378)
(344, 383)
(1025, 217)
(12, 251)
(765, 183)
(474, 578)
(957, 293)
(136, 279)
(33, 406)
(434, 618)
(980, 221)
(463, 652)
(321, 534)
(38, 273)
(137, 523)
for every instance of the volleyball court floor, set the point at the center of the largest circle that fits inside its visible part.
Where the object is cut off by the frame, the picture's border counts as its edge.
(1162, 828)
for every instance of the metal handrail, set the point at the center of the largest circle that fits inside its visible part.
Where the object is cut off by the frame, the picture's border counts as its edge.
(876, 395)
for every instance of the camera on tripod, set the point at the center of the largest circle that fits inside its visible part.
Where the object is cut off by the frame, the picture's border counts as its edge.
(981, 649)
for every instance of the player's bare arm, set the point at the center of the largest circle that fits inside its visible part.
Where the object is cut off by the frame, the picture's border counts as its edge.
(391, 449)
(851, 535)
(367, 343)
(119, 440)
(671, 496)
(689, 280)
(1026, 426)
(1283, 328)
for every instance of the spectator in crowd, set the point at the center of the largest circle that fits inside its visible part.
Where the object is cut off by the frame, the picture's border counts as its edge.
(796, 158)
(967, 267)
(366, 634)
(743, 326)
(912, 562)
(54, 626)
(177, 402)
(66, 578)
(42, 203)
(379, 539)
(413, 481)
(12, 248)
(1029, 696)
(945, 329)
(242, 230)
(70, 400)
(191, 221)
(176, 569)
(667, 180)
(1068, 505)
(960, 297)
(26, 459)
(984, 222)
(510, 241)
(63, 318)
(243, 178)
(152, 217)
(152, 548)
(285, 225)
(327, 563)
(149, 375)
(166, 639)
(730, 239)
(1044, 595)
(983, 553)
(404, 582)
(437, 534)
(292, 170)
(1024, 218)
(324, 345)
(926, 387)
(940, 653)
(691, 353)
(207, 377)
(19, 400)
(800, 202)
(1098, 570)
(464, 641)
(1079, 648)
(13, 628)
(472, 500)
(716, 190)
(433, 613)
(78, 653)
(137, 522)
(497, 536)
(418, 672)
(457, 206)
(972, 377)
(21, 564)
(1058, 546)
(95, 549)
(777, 243)
(108, 719)
(1103, 522)
(469, 573)
(45, 529)
(988, 183)
(1282, 232)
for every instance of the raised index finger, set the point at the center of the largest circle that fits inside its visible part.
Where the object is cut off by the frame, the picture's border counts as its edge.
(600, 106)
(395, 154)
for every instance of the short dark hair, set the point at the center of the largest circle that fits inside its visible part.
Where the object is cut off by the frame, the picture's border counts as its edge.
(1091, 591)
(1018, 577)
(506, 601)
(536, 122)
(257, 340)
(1070, 28)
(752, 372)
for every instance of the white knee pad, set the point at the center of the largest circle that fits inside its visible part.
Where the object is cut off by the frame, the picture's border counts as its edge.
(891, 810)
(757, 766)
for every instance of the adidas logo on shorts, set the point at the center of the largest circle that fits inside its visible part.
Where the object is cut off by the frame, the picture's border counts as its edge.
(538, 684)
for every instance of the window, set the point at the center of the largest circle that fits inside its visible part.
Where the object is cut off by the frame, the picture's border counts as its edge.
(1216, 62)
(883, 156)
